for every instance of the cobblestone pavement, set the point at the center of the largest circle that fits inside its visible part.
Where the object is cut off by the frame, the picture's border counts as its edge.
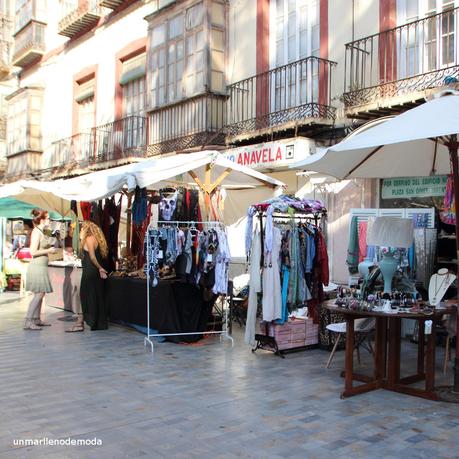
(206, 401)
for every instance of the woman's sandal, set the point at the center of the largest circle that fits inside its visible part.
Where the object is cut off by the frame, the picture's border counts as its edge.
(75, 328)
(42, 324)
(32, 327)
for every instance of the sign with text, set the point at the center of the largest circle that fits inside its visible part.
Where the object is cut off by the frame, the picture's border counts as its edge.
(272, 155)
(414, 187)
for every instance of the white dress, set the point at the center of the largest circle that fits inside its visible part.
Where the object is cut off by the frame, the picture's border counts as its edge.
(272, 294)
(254, 288)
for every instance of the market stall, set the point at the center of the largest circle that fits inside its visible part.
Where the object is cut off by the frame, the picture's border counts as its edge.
(15, 226)
(420, 142)
(182, 187)
(289, 247)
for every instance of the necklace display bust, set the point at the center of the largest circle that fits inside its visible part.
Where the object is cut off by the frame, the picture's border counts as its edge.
(439, 284)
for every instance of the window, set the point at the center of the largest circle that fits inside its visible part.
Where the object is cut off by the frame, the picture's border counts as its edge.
(177, 65)
(24, 120)
(17, 125)
(134, 97)
(86, 114)
(133, 109)
(28, 10)
(295, 26)
(429, 42)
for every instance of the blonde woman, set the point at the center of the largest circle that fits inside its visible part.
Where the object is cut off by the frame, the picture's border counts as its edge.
(94, 250)
(37, 280)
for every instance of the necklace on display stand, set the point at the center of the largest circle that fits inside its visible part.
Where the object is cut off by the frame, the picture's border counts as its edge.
(439, 284)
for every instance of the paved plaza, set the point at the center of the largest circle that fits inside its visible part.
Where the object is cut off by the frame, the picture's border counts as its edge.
(198, 401)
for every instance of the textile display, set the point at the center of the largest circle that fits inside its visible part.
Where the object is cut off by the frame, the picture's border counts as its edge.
(199, 257)
(362, 240)
(425, 247)
(448, 213)
(294, 261)
(352, 259)
(175, 306)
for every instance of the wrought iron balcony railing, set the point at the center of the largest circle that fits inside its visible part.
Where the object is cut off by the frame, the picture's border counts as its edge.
(413, 57)
(197, 121)
(291, 93)
(77, 17)
(121, 139)
(29, 44)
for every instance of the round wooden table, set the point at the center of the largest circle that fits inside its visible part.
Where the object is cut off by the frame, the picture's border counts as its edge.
(387, 353)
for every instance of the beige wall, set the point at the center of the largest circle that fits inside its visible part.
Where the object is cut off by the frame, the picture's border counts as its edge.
(366, 22)
(56, 74)
(242, 31)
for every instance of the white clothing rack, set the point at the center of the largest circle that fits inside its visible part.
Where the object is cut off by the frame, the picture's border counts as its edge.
(148, 339)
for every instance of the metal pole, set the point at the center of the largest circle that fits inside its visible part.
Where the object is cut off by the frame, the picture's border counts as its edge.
(453, 150)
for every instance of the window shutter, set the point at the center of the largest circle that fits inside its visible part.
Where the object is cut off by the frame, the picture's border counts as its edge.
(133, 69)
(85, 90)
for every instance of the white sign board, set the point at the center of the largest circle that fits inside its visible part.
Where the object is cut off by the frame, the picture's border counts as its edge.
(272, 155)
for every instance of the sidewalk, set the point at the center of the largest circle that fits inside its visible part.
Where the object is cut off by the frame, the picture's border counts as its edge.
(207, 401)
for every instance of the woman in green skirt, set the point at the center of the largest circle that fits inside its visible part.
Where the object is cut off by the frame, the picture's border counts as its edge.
(37, 280)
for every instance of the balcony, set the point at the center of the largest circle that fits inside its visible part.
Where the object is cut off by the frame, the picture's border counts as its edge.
(296, 95)
(116, 142)
(78, 17)
(197, 121)
(6, 43)
(112, 4)
(29, 44)
(392, 71)
(5, 58)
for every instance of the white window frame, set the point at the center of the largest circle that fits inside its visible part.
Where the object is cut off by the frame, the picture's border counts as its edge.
(302, 79)
(171, 60)
(422, 62)
(17, 125)
(134, 104)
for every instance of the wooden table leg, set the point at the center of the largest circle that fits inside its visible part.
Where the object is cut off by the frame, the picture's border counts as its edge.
(421, 346)
(380, 348)
(430, 360)
(393, 375)
(349, 357)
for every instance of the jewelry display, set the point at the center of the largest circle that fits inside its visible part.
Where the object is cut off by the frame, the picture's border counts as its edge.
(439, 284)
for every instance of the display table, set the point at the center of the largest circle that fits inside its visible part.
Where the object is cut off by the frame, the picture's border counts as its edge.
(65, 278)
(387, 353)
(175, 306)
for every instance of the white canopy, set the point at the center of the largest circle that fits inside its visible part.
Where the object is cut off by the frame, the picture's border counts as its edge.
(406, 145)
(208, 168)
(40, 194)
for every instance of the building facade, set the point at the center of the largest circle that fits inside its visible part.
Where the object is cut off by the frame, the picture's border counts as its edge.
(104, 82)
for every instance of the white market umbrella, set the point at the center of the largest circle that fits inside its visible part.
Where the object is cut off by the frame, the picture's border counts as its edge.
(208, 169)
(419, 142)
(40, 194)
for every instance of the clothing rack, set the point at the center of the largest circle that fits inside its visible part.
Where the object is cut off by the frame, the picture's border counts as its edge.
(148, 339)
(297, 216)
(263, 340)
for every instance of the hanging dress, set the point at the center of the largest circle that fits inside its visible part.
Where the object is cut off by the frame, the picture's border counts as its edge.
(272, 294)
(254, 288)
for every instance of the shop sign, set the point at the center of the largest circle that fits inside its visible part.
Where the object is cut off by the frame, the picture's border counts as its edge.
(414, 187)
(272, 155)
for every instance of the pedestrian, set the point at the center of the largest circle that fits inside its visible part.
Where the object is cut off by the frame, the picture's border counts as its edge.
(37, 280)
(94, 251)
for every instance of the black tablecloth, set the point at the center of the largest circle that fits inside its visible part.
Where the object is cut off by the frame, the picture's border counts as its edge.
(175, 306)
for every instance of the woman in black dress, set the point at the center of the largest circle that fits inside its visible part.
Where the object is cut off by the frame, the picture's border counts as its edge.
(94, 250)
